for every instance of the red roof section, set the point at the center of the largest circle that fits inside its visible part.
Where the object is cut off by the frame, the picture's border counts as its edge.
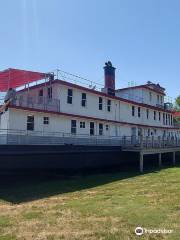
(13, 78)
(177, 114)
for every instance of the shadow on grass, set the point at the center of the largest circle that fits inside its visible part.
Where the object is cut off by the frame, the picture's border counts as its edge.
(18, 188)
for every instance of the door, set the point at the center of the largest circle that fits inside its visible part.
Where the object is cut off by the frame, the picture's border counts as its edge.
(133, 135)
(91, 128)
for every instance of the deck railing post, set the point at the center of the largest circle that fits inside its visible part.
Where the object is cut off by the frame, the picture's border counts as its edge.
(147, 139)
(124, 140)
(152, 141)
(141, 141)
(159, 141)
(163, 144)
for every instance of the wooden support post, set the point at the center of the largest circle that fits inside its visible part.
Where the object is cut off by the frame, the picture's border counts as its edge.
(174, 158)
(160, 159)
(141, 163)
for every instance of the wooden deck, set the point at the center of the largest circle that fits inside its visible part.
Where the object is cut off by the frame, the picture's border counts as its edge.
(154, 151)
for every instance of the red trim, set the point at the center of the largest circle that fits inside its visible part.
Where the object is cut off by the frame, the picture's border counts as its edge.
(72, 85)
(141, 86)
(90, 118)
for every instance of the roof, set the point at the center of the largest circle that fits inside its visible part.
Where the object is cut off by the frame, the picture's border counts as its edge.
(177, 114)
(13, 78)
(153, 87)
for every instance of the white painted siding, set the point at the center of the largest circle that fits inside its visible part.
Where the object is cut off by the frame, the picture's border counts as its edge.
(120, 112)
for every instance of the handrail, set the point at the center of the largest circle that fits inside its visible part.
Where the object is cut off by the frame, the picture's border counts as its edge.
(40, 137)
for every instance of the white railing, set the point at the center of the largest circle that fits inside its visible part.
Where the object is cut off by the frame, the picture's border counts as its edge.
(43, 103)
(12, 136)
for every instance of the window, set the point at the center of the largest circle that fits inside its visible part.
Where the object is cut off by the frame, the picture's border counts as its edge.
(82, 125)
(139, 131)
(164, 118)
(50, 92)
(107, 127)
(69, 96)
(30, 123)
(161, 99)
(139, 112)
(73, 126)
(133, 111)
(41, 93)
(100, 129)
(108, 105)
(159, 116)
(169, 121)
(46, 120)
(83, 101)
(154, 115)
(91, 128)
(147, 113)
(149, 132)
(100, 103)
(158, 99)
(150, 96)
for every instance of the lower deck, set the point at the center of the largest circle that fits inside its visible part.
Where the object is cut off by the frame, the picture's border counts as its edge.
(173, 151)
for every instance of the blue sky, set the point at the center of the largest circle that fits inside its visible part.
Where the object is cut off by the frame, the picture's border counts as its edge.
(141, 38)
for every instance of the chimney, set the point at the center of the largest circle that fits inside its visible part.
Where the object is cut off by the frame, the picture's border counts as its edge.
(109, 78)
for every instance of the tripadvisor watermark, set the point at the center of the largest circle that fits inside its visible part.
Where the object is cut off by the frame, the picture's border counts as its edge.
(140, 231)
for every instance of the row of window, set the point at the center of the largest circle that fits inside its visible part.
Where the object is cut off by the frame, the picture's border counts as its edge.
(82, 124)
(167, 118)
(30, 122)
(91, 127)
(84, 100)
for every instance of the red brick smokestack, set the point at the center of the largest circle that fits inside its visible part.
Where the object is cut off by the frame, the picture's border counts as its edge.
(109, 78)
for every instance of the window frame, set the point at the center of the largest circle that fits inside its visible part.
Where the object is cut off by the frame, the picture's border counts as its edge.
(46, 120)
(91, 129)
(100, 129)
(100, 103)
(139, 112)
(109, 105)
(30, 124)
(73, 127)
(82, 124)
(133, 111)
(69, 96)
(147, 113)
(83, 100)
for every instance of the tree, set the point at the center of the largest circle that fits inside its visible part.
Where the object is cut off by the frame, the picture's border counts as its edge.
(178, 103)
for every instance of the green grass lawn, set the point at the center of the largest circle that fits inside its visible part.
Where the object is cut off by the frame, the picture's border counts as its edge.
(104, 206)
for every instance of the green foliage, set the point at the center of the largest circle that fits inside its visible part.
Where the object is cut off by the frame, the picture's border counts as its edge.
(177, 103)
(177, 120)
